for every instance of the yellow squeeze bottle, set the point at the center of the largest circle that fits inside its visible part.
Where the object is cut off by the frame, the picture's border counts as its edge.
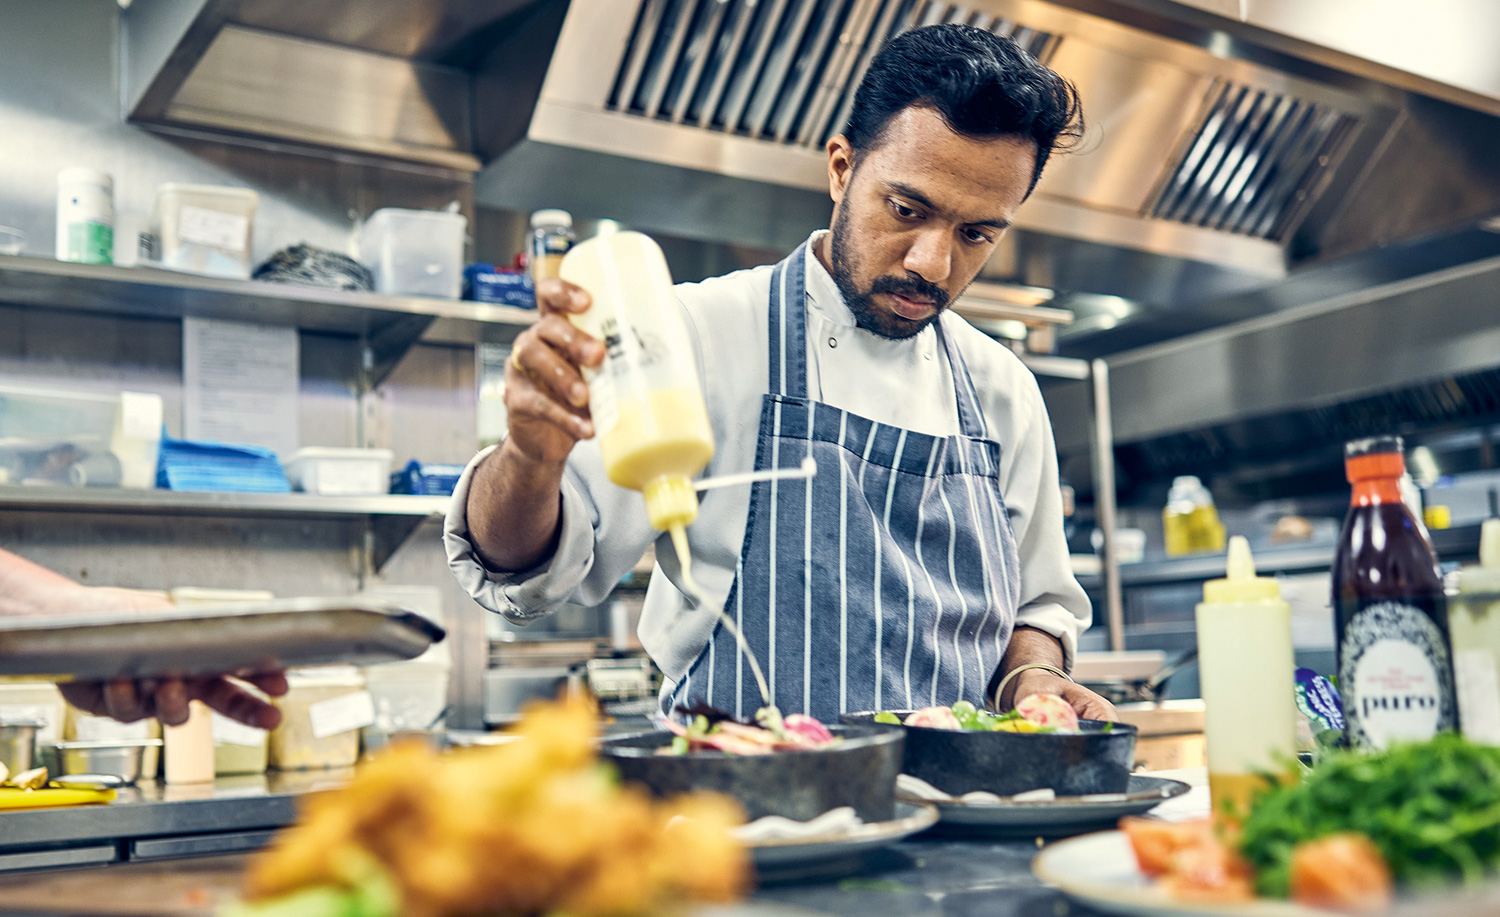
(1247, 676)
(645, 399)
(1474, 625)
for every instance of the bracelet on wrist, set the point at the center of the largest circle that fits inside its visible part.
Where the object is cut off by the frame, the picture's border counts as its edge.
(1000, 688)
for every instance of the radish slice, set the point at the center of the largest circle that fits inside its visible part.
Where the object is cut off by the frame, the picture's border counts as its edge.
(1049, 712)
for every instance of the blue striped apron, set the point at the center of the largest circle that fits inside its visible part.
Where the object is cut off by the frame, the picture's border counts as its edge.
(889, 580)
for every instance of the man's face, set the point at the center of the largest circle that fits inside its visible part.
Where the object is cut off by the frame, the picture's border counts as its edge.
(918, 218)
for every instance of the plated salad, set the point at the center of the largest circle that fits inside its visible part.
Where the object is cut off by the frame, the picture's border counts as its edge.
(1347, 836)
(714, 730)
(1041, 713)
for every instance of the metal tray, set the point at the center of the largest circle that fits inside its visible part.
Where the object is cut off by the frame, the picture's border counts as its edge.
(207, 639)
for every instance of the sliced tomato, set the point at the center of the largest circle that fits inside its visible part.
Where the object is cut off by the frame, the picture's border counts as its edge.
(1342, 872)
(1157, 843)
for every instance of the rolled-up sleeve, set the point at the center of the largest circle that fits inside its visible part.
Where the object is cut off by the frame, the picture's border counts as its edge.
(1051, 598)
(596, 546)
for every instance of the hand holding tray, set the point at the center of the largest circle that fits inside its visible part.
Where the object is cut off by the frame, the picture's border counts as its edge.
(236, 638)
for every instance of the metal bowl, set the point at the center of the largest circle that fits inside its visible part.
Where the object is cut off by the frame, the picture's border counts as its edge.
(859, 771)
(122, 758)
(1096, 760)
(18, 744)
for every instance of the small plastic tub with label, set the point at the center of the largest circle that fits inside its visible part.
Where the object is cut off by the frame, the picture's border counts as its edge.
(322, 714)
(204, 229)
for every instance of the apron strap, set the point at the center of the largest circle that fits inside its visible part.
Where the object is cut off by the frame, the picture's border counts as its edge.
(970, 416)
(789, 326)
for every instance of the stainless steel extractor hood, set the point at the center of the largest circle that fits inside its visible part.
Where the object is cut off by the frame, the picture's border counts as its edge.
(1224, 148)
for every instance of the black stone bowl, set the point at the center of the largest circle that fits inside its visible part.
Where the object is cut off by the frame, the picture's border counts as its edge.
(1007, 763)
(859, 771)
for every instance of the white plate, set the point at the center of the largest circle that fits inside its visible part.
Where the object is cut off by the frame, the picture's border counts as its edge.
(787, 858)
(1064, 813)
(1100, 870)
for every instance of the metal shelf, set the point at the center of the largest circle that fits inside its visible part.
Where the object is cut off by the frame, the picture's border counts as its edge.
(176, 503)
(390, 324)
(1455, 544)
(390, 519)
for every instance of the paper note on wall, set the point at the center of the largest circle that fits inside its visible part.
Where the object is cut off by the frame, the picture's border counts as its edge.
(240, 383)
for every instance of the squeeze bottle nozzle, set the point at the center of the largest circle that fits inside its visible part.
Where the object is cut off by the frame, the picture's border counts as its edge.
(1240, 584)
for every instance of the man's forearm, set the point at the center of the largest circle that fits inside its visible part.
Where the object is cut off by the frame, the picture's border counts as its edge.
(1027, 645)
(514, 510)
(26, 588)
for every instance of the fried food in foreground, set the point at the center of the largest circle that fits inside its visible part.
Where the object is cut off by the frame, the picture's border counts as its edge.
(528, 827)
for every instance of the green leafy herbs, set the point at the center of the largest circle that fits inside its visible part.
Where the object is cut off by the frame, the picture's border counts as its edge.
(1432, 809)
(887, 717)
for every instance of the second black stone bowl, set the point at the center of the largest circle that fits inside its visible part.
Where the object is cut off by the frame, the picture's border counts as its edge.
(859, 771)
(1096, 760)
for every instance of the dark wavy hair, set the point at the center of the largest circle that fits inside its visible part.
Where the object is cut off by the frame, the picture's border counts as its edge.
(984, 86)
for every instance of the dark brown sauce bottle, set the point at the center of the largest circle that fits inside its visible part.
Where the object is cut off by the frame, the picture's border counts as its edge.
(1394, 659)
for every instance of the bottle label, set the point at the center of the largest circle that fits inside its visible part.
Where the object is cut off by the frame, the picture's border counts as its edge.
(91, 243)
(1395, 675)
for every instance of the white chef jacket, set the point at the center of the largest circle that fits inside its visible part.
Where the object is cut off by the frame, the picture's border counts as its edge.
(905, 383)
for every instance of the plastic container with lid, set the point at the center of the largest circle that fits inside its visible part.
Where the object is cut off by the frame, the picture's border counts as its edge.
(415, 252)
(336, 471)
(204, 229)
(321, 716)
(1247, 676)
(1474, 626)
(551, 238)
(1190, 520)
(85, 216)
(238, 748)
(646, 401)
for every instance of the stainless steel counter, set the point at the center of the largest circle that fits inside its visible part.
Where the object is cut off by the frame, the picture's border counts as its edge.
(156, 821)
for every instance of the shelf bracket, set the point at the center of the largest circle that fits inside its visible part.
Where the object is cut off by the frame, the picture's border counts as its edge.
(389, 343)
(384, 537)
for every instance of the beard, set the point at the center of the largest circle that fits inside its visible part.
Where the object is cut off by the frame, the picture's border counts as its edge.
(868, 314)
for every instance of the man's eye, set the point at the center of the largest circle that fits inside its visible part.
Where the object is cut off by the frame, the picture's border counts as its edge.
(903, 211)
(976, 237)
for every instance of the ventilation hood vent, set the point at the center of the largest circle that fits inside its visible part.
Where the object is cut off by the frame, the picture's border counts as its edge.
(779, 72)
(1256, 162)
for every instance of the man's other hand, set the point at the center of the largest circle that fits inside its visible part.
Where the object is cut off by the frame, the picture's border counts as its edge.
(1087, 704)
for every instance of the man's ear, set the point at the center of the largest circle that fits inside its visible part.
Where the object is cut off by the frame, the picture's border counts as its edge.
(840, 166)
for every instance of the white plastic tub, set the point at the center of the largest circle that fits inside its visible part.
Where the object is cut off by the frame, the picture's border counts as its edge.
(204, 229)
(343, 472)
(322, 714)
(415, 252)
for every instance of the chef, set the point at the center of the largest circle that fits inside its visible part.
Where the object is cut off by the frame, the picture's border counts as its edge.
(925, 562)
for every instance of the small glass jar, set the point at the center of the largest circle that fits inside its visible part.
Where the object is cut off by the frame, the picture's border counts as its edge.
(551, 237)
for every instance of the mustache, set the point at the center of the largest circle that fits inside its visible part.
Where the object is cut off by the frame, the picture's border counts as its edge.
(912, 288)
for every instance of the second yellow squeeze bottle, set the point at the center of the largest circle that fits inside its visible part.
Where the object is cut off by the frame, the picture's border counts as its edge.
(1247, 675)
(645, 399)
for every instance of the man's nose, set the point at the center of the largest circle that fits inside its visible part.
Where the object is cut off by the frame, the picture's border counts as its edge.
(930, 256)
